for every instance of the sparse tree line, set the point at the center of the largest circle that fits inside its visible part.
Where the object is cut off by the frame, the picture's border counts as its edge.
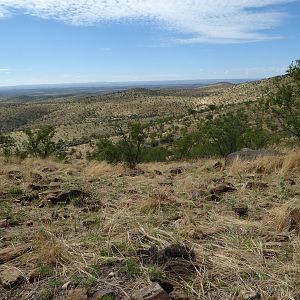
(276, 116)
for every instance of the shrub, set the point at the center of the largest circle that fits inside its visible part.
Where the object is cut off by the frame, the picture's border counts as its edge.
(131, 147)
(40, 142)
(6, 144)
(284, 103)
(220, 136)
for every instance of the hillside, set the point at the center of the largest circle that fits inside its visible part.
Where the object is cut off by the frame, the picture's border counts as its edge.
(84, 117)
(201, 230)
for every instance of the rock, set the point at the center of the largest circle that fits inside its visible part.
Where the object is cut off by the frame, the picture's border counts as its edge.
(104, 294)
(4, 223)
(11, 277)
(176, 171)
(222, 189)
(241, 211)
(134, 172)
(157, 172)
(249, 154)
(250, 295)
(176, 251)
(152, 292)
(9, 253)
(256, 185)
(77, 294)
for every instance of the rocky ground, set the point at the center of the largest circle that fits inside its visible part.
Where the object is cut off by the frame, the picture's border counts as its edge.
(194, 230)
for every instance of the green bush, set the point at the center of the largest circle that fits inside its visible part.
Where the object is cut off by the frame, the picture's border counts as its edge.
(39, 143)
(7, 144)
(283, 104)
(130, 148)
(220, 136)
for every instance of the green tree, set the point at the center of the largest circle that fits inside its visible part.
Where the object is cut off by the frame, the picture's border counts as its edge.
(225, 133)
(284, 103)
(40, 143)
(6, 144)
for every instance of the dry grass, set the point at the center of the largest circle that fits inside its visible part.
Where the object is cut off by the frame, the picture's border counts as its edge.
(98, 248)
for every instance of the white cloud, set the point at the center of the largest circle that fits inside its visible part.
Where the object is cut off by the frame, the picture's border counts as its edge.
(4, 70)
(217, 21)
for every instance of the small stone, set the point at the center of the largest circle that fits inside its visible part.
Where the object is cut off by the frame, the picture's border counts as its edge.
(250, 295)
(77, 294)
(157, 172)
(176, 171)
(11, 277)
(152, 292)
(111, 275)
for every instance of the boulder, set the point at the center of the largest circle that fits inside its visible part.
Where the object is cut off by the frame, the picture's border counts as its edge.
(11, 277)
(247, 154)
(152, 292)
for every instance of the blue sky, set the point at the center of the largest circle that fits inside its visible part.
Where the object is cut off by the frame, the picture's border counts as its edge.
(69, 41)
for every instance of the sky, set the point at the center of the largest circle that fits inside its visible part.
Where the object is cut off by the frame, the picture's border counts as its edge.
(77, 41)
